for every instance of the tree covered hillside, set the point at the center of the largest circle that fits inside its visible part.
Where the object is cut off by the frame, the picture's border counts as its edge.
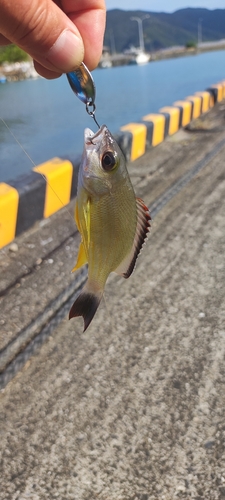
(162, 29)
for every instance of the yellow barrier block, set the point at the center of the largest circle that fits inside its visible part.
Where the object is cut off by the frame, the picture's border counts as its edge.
(139, 133)
(58, 174)
(9, 201)
(206, 101)
(158, 127)
(186, 115)
(223, 84)
(174, 118)
(211, 100)
(197, 105)
(219, 87)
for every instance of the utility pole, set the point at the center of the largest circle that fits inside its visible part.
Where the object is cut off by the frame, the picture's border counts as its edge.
(112, 43)
(199, 31)
(140, 30)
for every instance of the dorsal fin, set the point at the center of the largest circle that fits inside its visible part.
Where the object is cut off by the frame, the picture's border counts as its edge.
(143, 217)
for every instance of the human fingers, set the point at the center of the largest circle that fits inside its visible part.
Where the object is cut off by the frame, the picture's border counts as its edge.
(44, 31)
(89, 17)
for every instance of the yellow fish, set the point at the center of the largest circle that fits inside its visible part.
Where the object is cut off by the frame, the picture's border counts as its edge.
(113, 223)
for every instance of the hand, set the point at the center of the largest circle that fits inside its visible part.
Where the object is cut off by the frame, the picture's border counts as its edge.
(57, 34)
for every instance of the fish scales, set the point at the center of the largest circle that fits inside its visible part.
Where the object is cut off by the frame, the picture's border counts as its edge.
(112, 222)
(105, 210)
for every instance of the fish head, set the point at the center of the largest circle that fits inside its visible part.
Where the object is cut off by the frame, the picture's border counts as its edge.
(103, 163)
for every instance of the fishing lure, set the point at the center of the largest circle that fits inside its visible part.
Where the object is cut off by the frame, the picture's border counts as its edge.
(82, 84)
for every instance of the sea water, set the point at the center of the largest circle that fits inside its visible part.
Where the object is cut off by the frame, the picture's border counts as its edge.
(48, 119)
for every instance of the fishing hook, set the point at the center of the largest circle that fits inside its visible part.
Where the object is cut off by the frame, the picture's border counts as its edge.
(92, 112)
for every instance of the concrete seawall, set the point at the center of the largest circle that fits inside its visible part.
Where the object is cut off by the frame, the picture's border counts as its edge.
(51, 185)
(132, 409)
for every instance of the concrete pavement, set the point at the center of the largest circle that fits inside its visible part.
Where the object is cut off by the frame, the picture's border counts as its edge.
(134, 409)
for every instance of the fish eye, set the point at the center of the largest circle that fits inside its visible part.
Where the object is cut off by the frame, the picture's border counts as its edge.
(108, 161)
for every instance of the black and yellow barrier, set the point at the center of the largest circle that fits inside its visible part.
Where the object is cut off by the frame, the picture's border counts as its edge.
(155, 124)
(139, 133)
(51, 186)
(58, 175)
(38, 195)
(9, 201)
(223, 84)
(207, 100)
(185, 108)
(196, 105)
(167, 121)
(217, 91)
(172, 115)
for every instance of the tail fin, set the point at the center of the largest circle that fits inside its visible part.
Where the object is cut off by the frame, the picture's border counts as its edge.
(85, 305)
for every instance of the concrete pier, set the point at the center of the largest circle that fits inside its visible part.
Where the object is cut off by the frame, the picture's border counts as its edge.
(134, 408)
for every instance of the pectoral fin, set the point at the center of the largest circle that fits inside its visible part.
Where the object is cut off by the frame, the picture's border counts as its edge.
(143, 217)
(84, 229)
(81, 258)
(77, 217)
(87, 217)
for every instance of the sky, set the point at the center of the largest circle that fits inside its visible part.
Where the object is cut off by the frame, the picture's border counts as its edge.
(163, 5)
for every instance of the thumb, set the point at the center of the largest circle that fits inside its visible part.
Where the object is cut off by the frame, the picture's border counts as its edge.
(44, 31)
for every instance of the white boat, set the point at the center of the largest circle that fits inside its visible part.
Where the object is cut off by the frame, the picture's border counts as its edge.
(139, 56)
(142, 58)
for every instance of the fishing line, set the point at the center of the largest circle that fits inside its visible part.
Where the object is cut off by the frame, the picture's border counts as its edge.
(14, 137)
(33, 163)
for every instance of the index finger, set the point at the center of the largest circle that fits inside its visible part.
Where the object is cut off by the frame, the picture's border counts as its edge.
(89, 18)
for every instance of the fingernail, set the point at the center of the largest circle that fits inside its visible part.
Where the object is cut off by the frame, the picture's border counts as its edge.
(67, 52)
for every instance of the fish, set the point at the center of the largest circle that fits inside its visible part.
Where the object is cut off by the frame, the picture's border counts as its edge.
(113, 223)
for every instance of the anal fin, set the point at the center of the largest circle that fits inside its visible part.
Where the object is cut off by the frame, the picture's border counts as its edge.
(81, 258)
(77, 217)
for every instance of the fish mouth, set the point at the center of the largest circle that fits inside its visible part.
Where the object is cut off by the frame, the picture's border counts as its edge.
(88, 135)
(101, 137)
